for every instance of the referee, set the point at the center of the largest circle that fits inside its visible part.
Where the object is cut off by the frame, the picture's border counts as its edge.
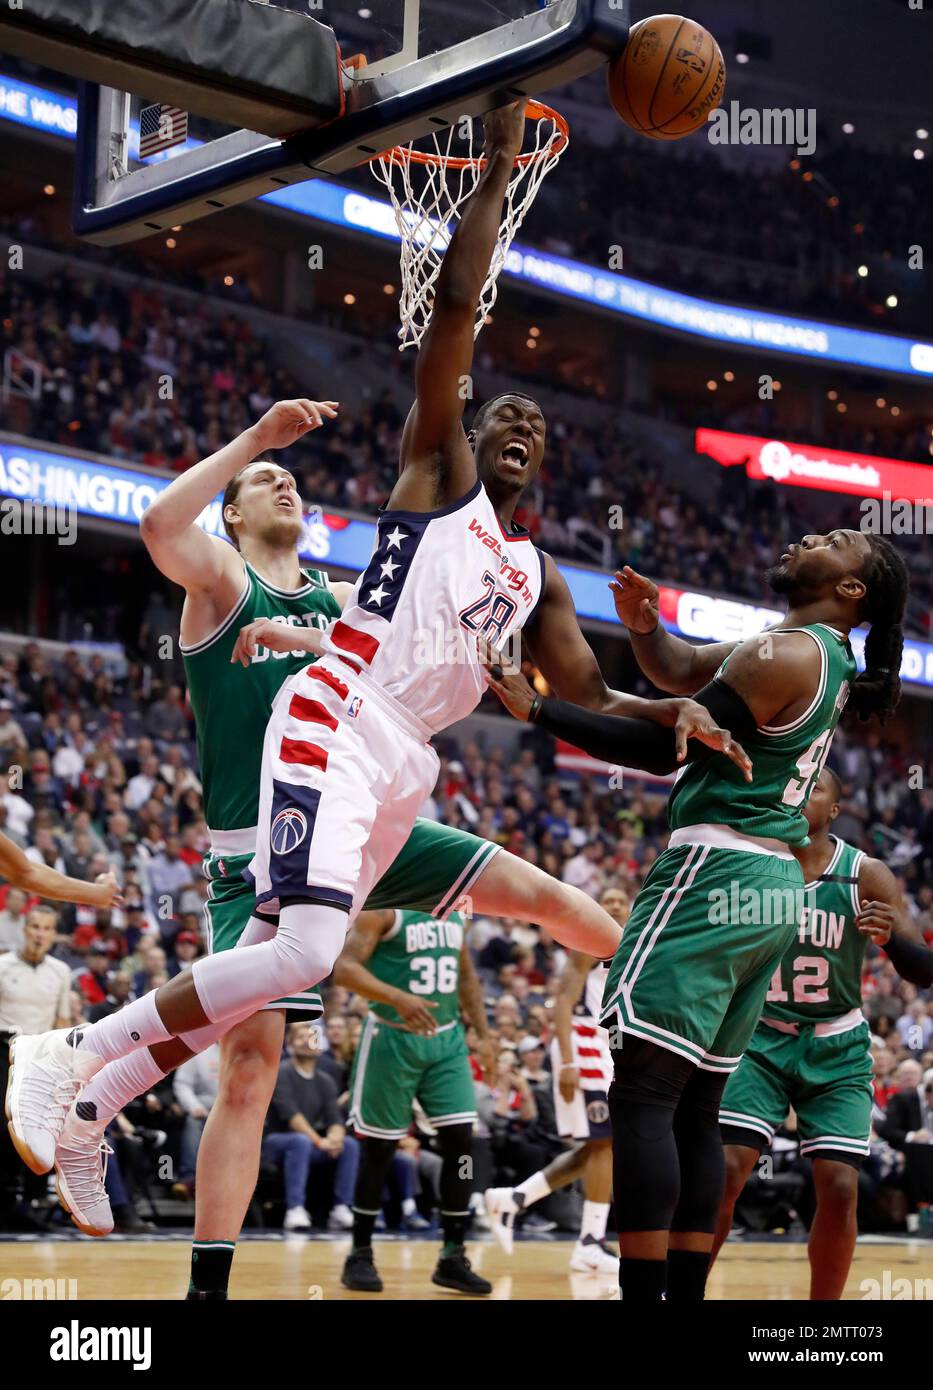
(35, 994)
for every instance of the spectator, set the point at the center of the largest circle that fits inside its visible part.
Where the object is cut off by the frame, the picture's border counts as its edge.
(169, 876)
(195, 1085)
(13, 920)
(909, 1118)
(119, 991)
(92, 980)
(305, 1131)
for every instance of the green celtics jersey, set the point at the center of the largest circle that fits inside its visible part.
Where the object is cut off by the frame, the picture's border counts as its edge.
(786, 760)
(820, 975)
(232, 705)
(421, 955)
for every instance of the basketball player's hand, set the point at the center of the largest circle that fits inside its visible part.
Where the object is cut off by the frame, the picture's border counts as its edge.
(691, 720)
(486, 1056)
(508, 683)
(636, 599)
(275, 637)
(877, 920)
(416, 1014)
(568, 1083)
(108, 891)
(287, 421)
(504, 129)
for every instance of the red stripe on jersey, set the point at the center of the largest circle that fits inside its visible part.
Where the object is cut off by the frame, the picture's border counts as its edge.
(321, 673)
(351, 640)
(352, 664)
(294, 750)
(584, 1030)
(592, 1073)
(589, 1052)
(312, 711)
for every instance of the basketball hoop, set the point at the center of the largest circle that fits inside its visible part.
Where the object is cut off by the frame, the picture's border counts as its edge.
(428, 189)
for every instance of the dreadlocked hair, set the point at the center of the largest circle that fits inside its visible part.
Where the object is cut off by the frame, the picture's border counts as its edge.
(877, 689)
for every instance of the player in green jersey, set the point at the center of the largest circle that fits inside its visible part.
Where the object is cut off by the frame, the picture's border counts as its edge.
(251, 602)
(391, 956)
(810, 1050)
(686, 988)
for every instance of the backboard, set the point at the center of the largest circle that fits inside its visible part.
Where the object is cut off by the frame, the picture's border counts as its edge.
(407, 68)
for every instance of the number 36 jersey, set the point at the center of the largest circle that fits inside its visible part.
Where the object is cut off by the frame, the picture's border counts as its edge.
(421, 955)
(820, 974)
(436, 581)
(786, 760)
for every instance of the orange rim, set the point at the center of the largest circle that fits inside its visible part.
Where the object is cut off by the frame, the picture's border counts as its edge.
(534, 111)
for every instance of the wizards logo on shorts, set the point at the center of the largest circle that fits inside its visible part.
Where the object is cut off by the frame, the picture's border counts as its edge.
(288, 830)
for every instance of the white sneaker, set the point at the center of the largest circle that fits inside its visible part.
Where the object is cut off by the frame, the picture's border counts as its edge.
(80, 1165)
(502, 1209)
(296, 1219)
(479, 1220)
(46, 1076)
(589, 1257)
(340, 1219)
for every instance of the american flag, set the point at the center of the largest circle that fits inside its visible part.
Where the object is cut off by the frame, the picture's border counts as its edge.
(161, 127)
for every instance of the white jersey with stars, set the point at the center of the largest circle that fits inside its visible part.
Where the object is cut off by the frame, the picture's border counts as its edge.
(435, 582)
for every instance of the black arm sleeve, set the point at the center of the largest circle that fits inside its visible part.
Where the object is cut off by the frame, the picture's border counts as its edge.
(640, 743)
(912, 961)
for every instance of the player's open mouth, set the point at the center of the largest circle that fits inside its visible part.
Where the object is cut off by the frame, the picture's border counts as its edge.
(516, 451)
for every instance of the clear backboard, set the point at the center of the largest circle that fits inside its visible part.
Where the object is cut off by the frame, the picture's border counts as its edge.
(406, 68)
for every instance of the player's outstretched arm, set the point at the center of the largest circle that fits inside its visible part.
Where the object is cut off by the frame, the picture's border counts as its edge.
(350, 972)
(674, 733)
(178, 547)
(436, 460)
(22, 872)
(883, 917)
(669, 662)
(566, 659)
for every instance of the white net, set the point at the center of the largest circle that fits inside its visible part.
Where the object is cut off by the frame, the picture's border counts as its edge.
(428, 189)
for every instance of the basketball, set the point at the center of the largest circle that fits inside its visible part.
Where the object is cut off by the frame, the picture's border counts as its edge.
(668, 78)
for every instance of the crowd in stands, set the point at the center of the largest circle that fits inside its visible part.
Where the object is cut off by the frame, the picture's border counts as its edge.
(107, 354)
(102, 772)
(790, 236)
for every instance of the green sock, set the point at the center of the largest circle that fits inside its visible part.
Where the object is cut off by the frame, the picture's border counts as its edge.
(210, 1266)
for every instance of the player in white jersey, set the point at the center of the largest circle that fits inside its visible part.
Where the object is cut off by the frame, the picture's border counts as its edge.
(581, 1065)
(347, 761)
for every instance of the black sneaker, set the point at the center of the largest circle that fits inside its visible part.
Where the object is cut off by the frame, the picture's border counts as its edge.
(205, 1296)
(455, 1272)
(360, 1272)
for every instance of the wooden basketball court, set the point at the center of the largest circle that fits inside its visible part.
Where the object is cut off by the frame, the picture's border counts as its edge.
(298, 1268)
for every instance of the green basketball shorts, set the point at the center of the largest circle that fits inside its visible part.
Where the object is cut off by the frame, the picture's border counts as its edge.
(705, 935)
(435, 868)
(393, 1068)
(825, 1077)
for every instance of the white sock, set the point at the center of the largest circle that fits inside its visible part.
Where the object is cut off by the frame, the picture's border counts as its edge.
(595, 1216)
(533, 1189)
(135, 1026)
(409, 1205)
(116, 1084)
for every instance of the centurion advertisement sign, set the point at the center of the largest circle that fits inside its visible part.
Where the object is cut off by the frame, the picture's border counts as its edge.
(101, 491)
(810, 465)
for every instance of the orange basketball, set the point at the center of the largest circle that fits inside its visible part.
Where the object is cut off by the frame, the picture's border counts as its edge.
(668, 78)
